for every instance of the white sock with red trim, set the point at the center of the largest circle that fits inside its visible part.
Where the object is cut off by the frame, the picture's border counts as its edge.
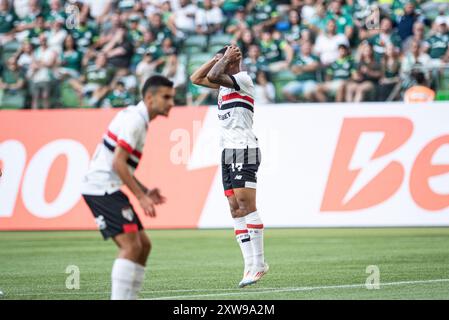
(123, 275)
(244, 241)
(255, 229)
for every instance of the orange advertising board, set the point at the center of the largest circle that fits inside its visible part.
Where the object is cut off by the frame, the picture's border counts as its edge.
(324, 165)
(53, 141)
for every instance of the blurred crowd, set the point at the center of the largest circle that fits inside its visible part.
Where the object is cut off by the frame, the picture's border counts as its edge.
(98, 53)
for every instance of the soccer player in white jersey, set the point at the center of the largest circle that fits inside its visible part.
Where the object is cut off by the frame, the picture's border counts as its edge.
(113, 165)
(241, 154)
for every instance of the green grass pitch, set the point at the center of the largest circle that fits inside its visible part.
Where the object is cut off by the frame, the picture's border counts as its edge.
(207, 264)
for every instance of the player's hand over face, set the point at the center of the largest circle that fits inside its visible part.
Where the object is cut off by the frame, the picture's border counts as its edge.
(147, 204)
(156, 196)
(233, 53)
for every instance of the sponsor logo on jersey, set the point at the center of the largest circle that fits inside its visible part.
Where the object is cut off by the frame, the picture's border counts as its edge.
(224, 116)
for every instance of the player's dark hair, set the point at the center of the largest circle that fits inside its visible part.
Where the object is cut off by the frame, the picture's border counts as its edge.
(222, 50)
(154, 82)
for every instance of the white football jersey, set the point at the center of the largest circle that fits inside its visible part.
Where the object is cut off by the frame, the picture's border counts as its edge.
(128, 129)
(235, 113)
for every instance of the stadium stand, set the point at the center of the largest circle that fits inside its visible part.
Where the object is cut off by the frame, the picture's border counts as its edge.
(49, 49)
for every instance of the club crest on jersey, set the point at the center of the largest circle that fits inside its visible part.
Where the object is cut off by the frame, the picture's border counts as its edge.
(127, 213)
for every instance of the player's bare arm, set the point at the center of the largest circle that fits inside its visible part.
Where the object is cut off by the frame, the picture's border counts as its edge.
(217, 74)
(199, 77)
(154, 194)
(120, 166)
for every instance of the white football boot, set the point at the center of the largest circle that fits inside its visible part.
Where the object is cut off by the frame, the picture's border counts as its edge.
(259, 273)
(247, 279)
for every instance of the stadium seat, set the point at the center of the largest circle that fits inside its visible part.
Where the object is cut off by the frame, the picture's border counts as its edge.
(442, 95)
(69, 97)
(285, 75)
(11, 46)
(192, 67)
(444, 79)
(199, 58)
(196, 60)
(12, 101)
(280, 79)
(278, 85)
(8, 50)
(195, 44)
(182, 59)
(193, 50)
(5, 56)
(214, 49)
(220, 40)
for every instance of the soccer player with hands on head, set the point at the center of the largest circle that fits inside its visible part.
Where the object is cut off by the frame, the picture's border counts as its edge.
(241, 155)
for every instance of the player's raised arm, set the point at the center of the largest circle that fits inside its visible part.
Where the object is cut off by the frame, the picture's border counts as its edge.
(199, 77)
(218, 73)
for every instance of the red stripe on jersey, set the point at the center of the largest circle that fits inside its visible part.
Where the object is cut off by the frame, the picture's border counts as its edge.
(236, 95)
(254, 226)
(130, 228)
(112, 136)
(124, 145)
(237, 232)
(229, 193)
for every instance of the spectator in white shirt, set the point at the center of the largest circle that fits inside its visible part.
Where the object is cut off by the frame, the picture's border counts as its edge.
(308, 11)
(210, 19)
(182, 21)
(25, 56)
(98, 9)
(21, 8)
(326, 46)
(41, 73)
(147, 67)
(57, 35)
(263, 89)
(415, 58)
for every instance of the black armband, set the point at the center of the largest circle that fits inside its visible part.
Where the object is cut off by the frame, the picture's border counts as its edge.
(236, 85)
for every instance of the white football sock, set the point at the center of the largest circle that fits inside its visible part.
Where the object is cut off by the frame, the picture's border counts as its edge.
(255, 228)
(123, 275)
(244, 241)
(138, 280)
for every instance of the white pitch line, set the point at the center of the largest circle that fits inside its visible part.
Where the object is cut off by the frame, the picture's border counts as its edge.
(345, 286)
(240, 291)
(75, 292)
